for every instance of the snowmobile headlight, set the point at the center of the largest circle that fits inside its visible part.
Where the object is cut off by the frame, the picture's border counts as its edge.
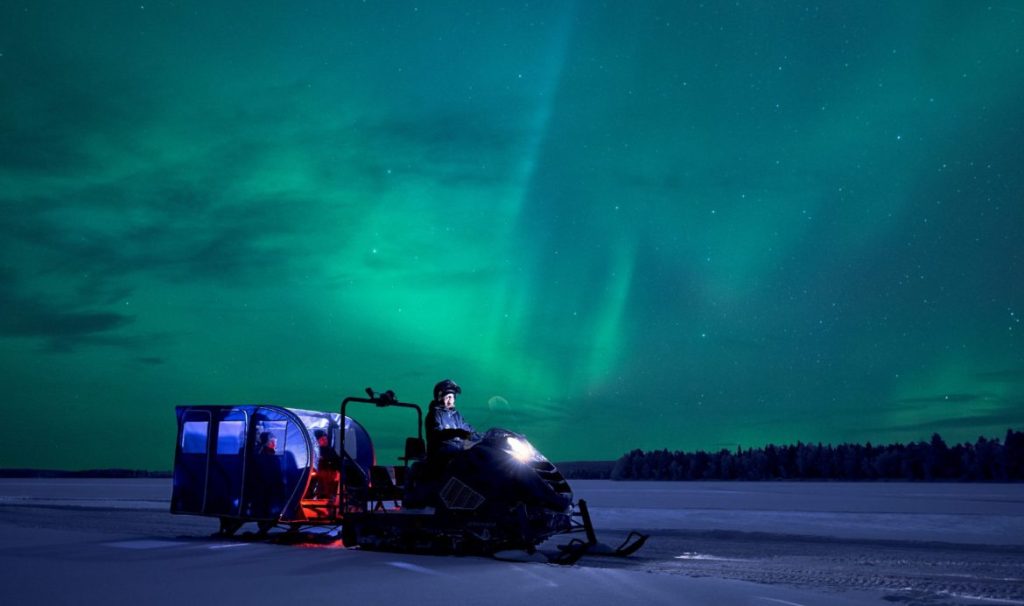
(522, 450)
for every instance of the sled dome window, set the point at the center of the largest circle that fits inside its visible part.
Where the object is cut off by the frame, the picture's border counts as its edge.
(193, 437)
(230, 437)
(271, 437)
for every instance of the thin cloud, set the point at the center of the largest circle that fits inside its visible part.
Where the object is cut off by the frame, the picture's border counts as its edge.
(62, 328)
(1005, 418)
(1008, 375)
(951, 398)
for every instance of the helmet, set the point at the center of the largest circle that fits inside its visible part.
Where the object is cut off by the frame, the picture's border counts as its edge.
(446, 386)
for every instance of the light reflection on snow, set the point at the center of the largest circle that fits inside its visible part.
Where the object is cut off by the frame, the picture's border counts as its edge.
(415, 568)
(778, 601)
(693, 555)
(144, 544)
(538, 579)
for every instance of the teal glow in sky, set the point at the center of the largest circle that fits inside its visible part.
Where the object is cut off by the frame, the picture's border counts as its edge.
(617, 224)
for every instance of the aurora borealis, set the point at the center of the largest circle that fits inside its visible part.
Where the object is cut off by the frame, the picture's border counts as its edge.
(616, 224)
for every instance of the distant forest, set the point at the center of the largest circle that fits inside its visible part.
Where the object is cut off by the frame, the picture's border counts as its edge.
(985, 460)
(86, 473)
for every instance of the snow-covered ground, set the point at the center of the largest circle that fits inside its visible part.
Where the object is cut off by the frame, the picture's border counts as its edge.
(105, 541)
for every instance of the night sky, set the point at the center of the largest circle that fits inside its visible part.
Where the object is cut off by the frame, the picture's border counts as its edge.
(617, 225)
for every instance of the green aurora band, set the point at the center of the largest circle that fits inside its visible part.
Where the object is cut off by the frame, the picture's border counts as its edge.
(617, 225)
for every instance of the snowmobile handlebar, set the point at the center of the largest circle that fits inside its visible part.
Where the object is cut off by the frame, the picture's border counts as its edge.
(384, 400)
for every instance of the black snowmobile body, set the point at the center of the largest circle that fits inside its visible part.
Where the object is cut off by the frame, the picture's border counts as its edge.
(498, 494)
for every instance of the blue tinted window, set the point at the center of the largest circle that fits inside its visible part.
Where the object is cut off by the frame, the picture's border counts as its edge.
(230, 437)
(193, 437)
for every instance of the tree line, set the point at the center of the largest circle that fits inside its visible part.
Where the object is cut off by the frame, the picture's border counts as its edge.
(984, 460)
(85, 473)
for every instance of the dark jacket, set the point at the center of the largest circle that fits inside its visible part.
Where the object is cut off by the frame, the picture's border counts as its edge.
(329, 459)
(446, 430)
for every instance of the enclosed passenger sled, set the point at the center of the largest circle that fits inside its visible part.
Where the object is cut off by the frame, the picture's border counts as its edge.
(310, 472)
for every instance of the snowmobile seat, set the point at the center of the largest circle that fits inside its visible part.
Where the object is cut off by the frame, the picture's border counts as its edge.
(383, 488)
(401, 474)
(415, 450)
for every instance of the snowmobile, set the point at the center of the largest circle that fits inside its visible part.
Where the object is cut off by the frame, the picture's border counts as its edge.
(264, 464)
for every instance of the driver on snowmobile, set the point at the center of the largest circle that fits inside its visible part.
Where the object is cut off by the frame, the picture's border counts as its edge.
(447, 431)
